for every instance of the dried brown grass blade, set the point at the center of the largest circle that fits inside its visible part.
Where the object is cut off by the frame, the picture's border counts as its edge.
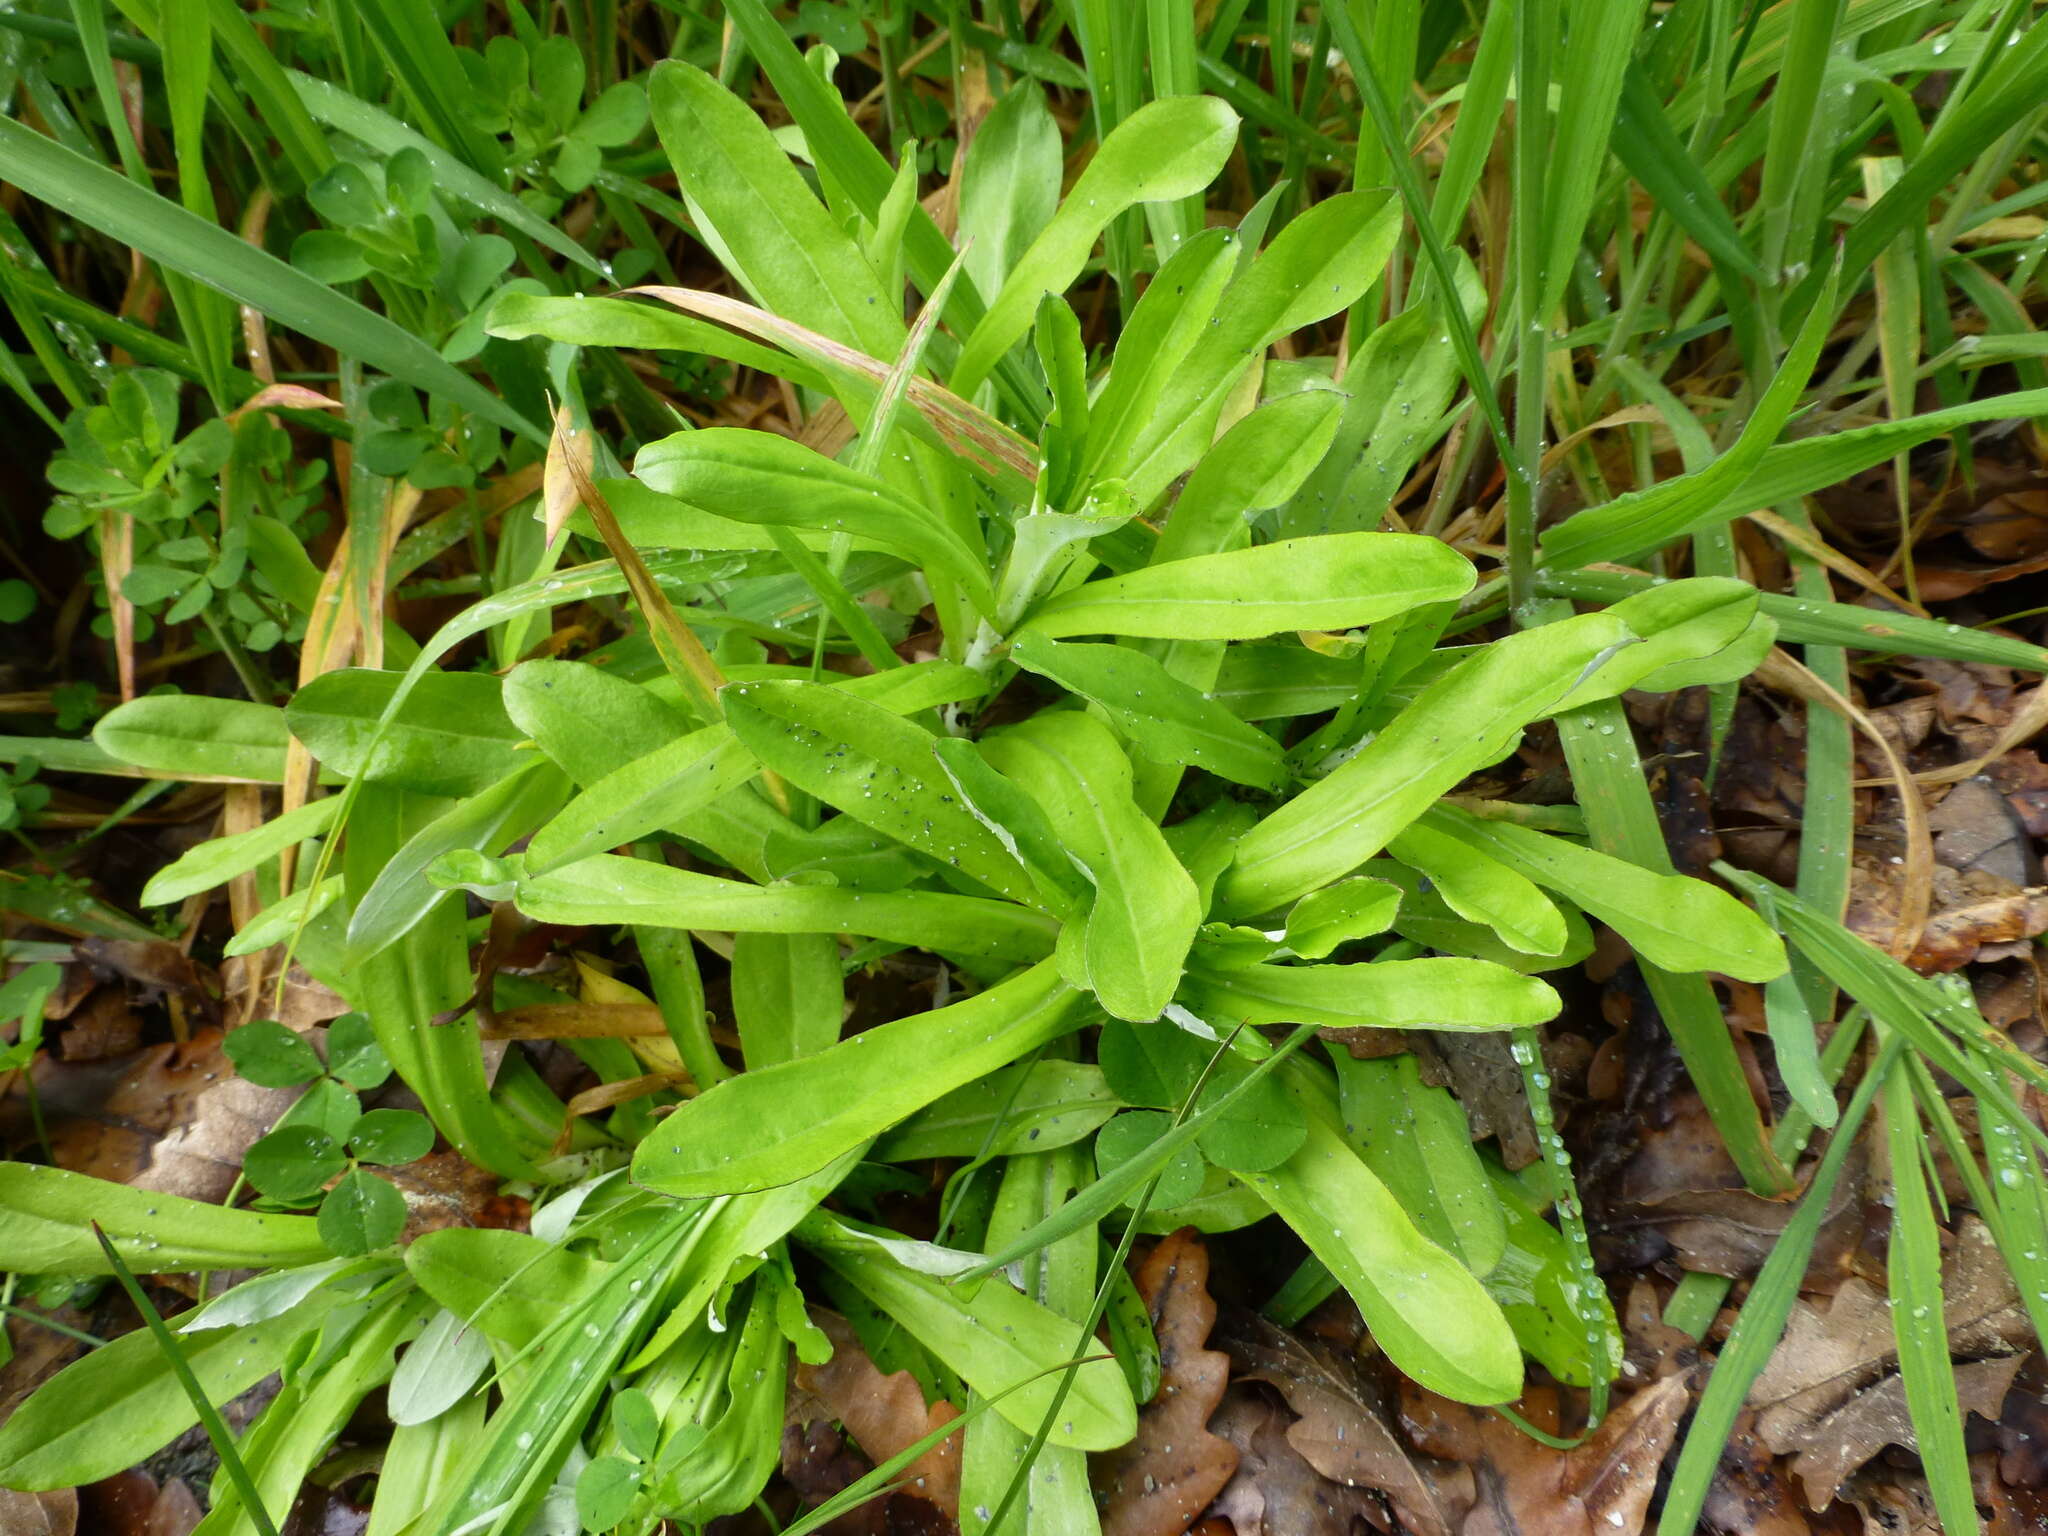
(1916, 896)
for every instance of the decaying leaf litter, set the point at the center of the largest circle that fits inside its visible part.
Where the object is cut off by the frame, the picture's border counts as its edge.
(638, 892)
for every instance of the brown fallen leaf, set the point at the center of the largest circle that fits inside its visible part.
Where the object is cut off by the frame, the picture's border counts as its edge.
(1684, 747)
(1832, 1447)
(1158, 1483)
(1965, 693)
(1600, 1488)
(1275, 1492)
(1946, 583)
(174, 1118)
(131, 1503)
(1827, 1355)
(1654, 1348)
(1955, 937)
(304, 1003)
(819, 1462)
(35, 1353)
(2023, 1428)
(2022, 777)
(1893, 1503)
(1487, 1082)
(445, 1189)
(1751, 1494)
(1972, 910)
(2011, 523)
(1680, 1186)
(1977, 828)
(104, 1027)
(883, 1414)
(1366, 1043)
(2014, 1511)
(39, 1514)
(1908, 723)
(1341, 1430)
(159, 968)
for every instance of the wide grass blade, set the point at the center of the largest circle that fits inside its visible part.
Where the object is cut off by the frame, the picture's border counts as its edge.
(216, 1428)
(1762, 1320)
(1913, 1265)
(1611, 787)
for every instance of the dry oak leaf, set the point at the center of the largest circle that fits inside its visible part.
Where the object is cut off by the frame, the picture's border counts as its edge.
(36, 1353)
(1488, 1084)
(1987, 889)
(1341, 1431)
(1680, 1184)
(1833, 1447)
(445, 1189)
(1958, 935)
(818, 1462)
(1275, 1492)
(301, 1003)
(1171, 1469)
(104, 1027)
(1751, 1494)
(1977, 829)
(1826, 1356)
(39, 1514)
(156, 966)
(2014, 1511)
(883, 1414)
(173, 1118)
(131, 1503)
(2023, 1429)
(1600, 1488)
(1653, 1347)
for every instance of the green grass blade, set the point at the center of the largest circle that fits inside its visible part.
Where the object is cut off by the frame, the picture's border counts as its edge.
(1170, 39)
(209, 1416)
(1762, 1320)
(188, 74)
(1463, 339)
(1794, 1042)
(2011, 92)
(1535, 230)
(1814, 621)
(1952, 1036)
(2021, 1193)
(184, 243)
(1913, 1264)
(1479, 114)
(1647, 144)
(262, 80)
(1788, 155)
(1647, 518)
(1600, 35)
(1609, 782)
(1827, 826)
(421, 55)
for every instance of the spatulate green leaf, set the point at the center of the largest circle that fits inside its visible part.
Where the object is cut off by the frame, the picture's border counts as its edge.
(1463, 721)
(1672, 921)
(1321, 583)
(776, 1125)
(1143, 917)
(1166, 149)
(1167, 720)
(875, 767)
(1434, 1320)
